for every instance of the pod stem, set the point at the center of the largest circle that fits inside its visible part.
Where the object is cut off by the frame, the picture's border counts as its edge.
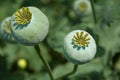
(93, 10)
(71, 73)
(37, 48)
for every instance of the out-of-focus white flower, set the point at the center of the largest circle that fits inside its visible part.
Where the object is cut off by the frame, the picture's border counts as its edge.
(79, 47)
(29, 25)
(82, 7)
(5, 30)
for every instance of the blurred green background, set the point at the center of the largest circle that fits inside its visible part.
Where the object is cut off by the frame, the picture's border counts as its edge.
(63, 19)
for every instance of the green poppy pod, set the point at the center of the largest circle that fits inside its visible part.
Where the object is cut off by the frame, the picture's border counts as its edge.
(29, 25)
(5, 31)
(82, 7)
(79, 47)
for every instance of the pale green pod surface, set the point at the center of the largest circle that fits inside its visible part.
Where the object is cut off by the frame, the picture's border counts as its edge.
(29, 25)
(82, 7)
(5, 30)
(79, 47)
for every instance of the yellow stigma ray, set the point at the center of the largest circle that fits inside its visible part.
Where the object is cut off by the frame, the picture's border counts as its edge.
(22, 16)
(81, 39)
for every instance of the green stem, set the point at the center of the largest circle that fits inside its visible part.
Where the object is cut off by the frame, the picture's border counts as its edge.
(44, 61)
(73, 71)
(93, 10)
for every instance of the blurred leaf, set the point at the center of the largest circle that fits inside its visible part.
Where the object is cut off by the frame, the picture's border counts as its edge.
(94, 65)
(7, 7)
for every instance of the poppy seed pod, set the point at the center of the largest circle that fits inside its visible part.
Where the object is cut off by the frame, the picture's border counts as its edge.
(29, 25)
(5, 30)
(82, 7)
(79, 47)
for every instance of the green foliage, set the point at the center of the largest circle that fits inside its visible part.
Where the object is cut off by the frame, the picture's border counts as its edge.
(106, 33)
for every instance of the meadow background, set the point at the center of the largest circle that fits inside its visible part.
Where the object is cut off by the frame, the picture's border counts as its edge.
(63, 19)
